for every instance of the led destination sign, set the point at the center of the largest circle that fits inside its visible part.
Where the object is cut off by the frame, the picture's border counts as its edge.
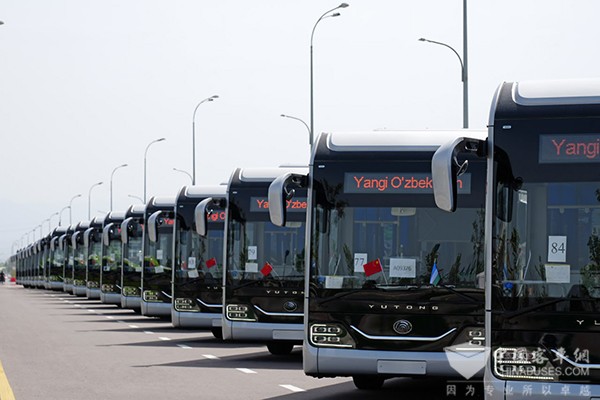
(393, 182)
(293, 205)
(566, 148)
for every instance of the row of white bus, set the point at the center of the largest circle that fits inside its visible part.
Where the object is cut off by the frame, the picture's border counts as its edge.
(459, 254)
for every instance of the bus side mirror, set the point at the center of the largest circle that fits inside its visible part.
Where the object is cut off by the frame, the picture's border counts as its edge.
(106, 233)
(153, 226)
(61, 242)
(124, 233)
(201, 218)
(86, 237)
(445, 169)
(74, 239)
(279, 195)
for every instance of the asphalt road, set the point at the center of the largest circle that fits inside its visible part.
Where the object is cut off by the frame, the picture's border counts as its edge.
(57, 346)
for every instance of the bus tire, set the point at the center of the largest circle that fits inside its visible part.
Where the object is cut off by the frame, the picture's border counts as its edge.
(280, 348)
(368, 382)
(217, 333)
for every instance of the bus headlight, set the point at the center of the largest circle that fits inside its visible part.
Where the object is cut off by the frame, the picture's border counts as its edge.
(522, 363)
(240, 312)
(330, 335)
(472, 335)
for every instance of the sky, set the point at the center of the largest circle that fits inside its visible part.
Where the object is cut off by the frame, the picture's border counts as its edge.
(87, 85)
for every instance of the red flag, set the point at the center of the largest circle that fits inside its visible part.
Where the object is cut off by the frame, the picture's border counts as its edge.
(266, 269)
(372, 267)
(211, 262)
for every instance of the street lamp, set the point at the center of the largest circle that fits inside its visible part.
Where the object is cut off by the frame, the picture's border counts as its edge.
(145, 155)
(325, 15)
(48, 219)
(136, 197)
(111, 184)
(185, 172)
(307, 127)
(70, 213)
(90, 199)
(463, 65)
(211, 98)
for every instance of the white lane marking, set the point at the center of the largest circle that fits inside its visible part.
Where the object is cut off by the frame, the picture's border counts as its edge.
(292, 388)
(92, 311)
(164, 338)
(210, 356)
(76, 305)
(149, 332)
(246, 370)
(183, 346)
(109, 317)
(133, 326)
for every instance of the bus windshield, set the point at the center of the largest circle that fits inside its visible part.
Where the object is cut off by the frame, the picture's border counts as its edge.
(548, 245)
(261, 252)
(94, 256)
(158, 257)
(393, 246)
(381, 229)
(199, 259)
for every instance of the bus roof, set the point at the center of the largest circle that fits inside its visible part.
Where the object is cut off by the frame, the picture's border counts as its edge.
(556, 92)
(167, 201)
(265, 174)
(390, 141)
(202, 191)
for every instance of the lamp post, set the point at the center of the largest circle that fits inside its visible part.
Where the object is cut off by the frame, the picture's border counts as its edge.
(48, 220)
(70, 213)
(305, 124)
(145, 156)
(211, 98)
(136, 197)
(325, 15)
(34, 229)
(111, 184)
(185, 172)
(463, 65)
(90, 199)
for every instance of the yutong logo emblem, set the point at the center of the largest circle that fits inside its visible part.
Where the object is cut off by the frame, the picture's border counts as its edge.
(402, 327)
(290, 306)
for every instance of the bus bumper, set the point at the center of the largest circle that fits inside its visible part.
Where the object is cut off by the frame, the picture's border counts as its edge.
(330, 362)
(496, 389)
(110, 298)
(79, 291)
(195, 319)
(92, 294)
(156, 309)
(131, 302)
(262, 332)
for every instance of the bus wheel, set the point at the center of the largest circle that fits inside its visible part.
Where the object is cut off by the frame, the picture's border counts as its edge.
(368, 382)
(217, 332)
(280, 348)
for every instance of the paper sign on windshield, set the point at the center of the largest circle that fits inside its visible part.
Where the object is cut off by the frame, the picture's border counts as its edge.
(403, 268)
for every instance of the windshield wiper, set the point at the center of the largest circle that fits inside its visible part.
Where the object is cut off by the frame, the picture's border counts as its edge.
(466, 296)
(179, 284)
(243, 285)
(534, 307)
(339, 295)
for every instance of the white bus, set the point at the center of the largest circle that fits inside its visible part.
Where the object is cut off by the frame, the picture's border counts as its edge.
(542, 230)
(391, 281)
